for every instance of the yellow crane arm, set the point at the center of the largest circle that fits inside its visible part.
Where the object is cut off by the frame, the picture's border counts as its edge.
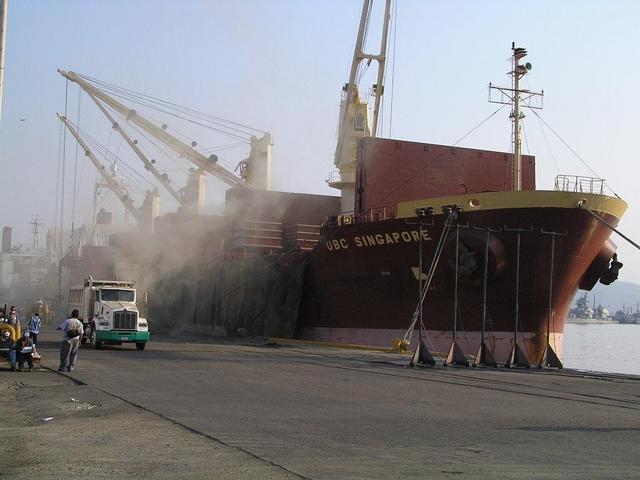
(109, 181)
(147, 164)
(169, 140)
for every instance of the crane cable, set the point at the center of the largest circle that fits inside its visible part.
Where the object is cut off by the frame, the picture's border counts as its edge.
(176, 106)
(220, 148)
(191, 120)
(149, 101)
(582, 160)
(393, 63)
(360, 71)
(161, 149)
(182, 167)
(64, 154)
(583, 204)
(130, 172)
(75, 173)
(546, 141)
(109, 157)
(57, 210)
(414, 174)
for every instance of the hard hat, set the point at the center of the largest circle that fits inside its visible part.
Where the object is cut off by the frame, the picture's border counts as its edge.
(5, 333)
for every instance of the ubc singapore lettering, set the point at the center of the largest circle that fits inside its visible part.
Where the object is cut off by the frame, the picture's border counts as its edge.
(377, 239)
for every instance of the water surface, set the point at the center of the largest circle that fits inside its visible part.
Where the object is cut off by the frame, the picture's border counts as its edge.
(603, 348)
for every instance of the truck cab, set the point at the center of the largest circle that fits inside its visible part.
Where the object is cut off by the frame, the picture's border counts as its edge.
(109, 313)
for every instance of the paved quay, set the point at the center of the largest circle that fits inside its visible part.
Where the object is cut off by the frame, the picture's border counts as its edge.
(324, 413)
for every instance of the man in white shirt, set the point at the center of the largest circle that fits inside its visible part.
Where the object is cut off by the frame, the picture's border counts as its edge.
(72, 334)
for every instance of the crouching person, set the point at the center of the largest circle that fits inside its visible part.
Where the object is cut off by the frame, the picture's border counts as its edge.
(24, 351)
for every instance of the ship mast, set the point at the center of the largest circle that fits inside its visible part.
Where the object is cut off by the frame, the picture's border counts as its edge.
(3, 37)
(517, 73)
(517, 98)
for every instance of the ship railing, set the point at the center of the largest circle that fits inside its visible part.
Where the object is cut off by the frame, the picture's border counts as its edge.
(378, 214)
(368, 216)
(334, 177)
(577, 183)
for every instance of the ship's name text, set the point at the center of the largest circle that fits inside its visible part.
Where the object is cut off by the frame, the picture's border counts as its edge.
(377, 239)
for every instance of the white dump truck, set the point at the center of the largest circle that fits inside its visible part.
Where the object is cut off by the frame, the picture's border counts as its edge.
(109, 313)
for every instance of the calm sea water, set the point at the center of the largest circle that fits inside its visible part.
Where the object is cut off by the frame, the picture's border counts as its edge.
(603, 348)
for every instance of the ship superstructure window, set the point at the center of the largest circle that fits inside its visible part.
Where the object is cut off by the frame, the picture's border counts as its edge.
(358, 123)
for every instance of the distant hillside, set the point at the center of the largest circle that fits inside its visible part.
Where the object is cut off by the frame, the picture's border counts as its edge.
(614, 296)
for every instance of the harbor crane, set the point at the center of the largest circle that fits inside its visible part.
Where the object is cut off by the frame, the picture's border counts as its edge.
(255, 171)
(148, 165)
(144, 215)
(354, 114)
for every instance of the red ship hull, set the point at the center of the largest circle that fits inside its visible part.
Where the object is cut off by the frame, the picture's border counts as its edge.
(362, 279)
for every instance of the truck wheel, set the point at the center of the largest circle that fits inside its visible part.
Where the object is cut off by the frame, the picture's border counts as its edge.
(94, 339)
(140, 346)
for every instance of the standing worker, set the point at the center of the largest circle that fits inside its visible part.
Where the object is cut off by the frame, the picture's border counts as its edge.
(72, 334)
(40, 305)
(8, 348)
(13, 318)
(33, 325)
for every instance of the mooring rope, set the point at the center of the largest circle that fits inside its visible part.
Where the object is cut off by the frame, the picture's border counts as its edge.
(582, 204)
(432, 269)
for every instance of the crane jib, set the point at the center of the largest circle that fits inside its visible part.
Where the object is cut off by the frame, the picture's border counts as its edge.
(166, 138)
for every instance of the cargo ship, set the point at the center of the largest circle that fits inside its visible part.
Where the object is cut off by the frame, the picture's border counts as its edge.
(362, 282)
(438, 239)
(433, 245)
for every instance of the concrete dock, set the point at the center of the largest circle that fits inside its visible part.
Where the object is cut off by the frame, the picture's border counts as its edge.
(326, 413)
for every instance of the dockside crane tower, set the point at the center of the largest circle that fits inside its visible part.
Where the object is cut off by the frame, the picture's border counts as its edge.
(354, 112)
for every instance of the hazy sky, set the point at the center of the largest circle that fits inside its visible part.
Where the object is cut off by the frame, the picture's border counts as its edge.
(279, 66)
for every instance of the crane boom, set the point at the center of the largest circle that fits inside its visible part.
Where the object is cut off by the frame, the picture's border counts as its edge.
(169, 140)
(147, 164)
(354, 113)
(111, 183)
(381, 57)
